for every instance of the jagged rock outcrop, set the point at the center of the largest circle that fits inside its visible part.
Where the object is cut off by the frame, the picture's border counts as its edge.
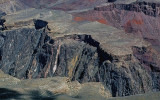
(65, 57)
(17, 49)
(34, 54)
(85, 48)
(124, 79)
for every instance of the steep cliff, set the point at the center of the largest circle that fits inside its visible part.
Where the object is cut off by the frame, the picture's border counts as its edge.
(30, 53)
(148, 8)
(92, 41)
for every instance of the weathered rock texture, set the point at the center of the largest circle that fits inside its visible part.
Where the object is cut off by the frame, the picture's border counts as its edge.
(17, 48)
(148, 8)
(30, 53)
(82, 45)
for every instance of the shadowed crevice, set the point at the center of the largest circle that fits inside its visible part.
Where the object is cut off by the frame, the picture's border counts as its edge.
(9, 94)
(39, 24)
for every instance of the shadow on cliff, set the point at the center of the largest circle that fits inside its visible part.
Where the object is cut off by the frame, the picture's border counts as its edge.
(8, 94)
(37, 95)
(102, 55)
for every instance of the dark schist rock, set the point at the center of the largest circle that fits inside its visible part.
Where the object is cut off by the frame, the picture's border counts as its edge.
(17, 50)
(150, 59)
(126, 79)
(65, 56)
(31, 53)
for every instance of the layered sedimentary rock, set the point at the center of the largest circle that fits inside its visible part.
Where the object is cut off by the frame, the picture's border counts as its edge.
(137, 23)
(148, 8)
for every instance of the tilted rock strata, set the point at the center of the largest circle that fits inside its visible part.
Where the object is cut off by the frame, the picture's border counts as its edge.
(85, 48)
(33, 54)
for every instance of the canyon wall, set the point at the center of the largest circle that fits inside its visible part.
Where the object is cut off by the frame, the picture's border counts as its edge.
(30, 53)
(124, 57)
(148, 8)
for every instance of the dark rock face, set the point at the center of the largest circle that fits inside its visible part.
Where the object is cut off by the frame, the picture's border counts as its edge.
(125, 80)
(30, 53)
(17, 47)
(2, 24)
(65, 57)
(151, 63)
